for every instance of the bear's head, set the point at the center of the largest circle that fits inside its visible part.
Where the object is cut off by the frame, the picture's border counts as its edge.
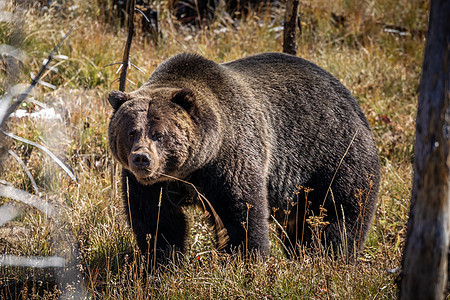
(159, 134)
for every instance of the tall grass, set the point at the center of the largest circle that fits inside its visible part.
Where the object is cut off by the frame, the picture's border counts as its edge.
(381, 69)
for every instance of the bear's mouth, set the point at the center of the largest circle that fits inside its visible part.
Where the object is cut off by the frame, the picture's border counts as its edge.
(147, 180)
(150, 178)
(146, 177)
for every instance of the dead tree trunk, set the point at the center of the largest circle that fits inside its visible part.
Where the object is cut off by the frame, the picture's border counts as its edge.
(290, 24)
(424, 274)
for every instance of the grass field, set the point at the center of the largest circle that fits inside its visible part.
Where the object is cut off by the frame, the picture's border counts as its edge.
(377, 54)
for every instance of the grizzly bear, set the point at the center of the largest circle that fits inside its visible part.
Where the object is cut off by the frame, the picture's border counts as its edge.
(269, 134)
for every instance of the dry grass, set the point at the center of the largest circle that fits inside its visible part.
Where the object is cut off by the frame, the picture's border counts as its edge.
(381, 69)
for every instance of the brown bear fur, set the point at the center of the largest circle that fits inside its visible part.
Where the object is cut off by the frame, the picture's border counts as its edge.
(250, 131)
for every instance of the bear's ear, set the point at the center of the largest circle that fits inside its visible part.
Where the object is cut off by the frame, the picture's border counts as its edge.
(184, 98)
(117, 98)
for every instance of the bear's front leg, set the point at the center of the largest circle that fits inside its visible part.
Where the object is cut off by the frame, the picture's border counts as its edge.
(149, 221)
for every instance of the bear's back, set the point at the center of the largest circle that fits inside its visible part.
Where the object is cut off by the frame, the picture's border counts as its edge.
(278, 75)
(316, 123)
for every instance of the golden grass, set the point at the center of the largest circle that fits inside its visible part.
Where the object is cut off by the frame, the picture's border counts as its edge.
(382, 71)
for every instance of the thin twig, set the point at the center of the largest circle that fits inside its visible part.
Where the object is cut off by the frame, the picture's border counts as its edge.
(339, 165)
(139, 69)
(112, 64)
(275, 235)
(142, 13)
(282, 230)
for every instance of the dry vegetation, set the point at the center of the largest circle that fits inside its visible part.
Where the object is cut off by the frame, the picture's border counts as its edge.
(381, 69)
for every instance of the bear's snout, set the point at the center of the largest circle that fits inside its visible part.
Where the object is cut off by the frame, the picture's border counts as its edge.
(141, 160)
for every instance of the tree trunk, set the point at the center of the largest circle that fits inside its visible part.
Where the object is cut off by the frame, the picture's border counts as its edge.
(425, 269)
(290, 23)
(126, 52)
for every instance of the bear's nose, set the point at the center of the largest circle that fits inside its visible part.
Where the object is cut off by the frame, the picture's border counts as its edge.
(141, 160)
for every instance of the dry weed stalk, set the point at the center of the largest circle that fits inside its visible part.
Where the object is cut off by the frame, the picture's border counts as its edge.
(339, 165)
(222, 236)
(157, 228)
(317, 224)
(362, 207)
(245, 225)
(307, 205)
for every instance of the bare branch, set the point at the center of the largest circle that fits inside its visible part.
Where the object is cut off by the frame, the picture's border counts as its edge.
(8, 212)
(27, 198)
(24, 167)
(9, 50)
(4, 105)
(44, 149)
(33, 262)
(35, 80)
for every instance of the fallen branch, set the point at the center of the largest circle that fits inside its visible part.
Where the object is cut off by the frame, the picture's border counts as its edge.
(32, 261)
(27, 198)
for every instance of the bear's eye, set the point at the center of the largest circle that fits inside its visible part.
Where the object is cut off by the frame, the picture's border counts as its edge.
(132, 134)
(157, 136)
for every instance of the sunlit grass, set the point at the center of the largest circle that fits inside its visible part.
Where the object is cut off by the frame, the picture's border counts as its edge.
(381, 70)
